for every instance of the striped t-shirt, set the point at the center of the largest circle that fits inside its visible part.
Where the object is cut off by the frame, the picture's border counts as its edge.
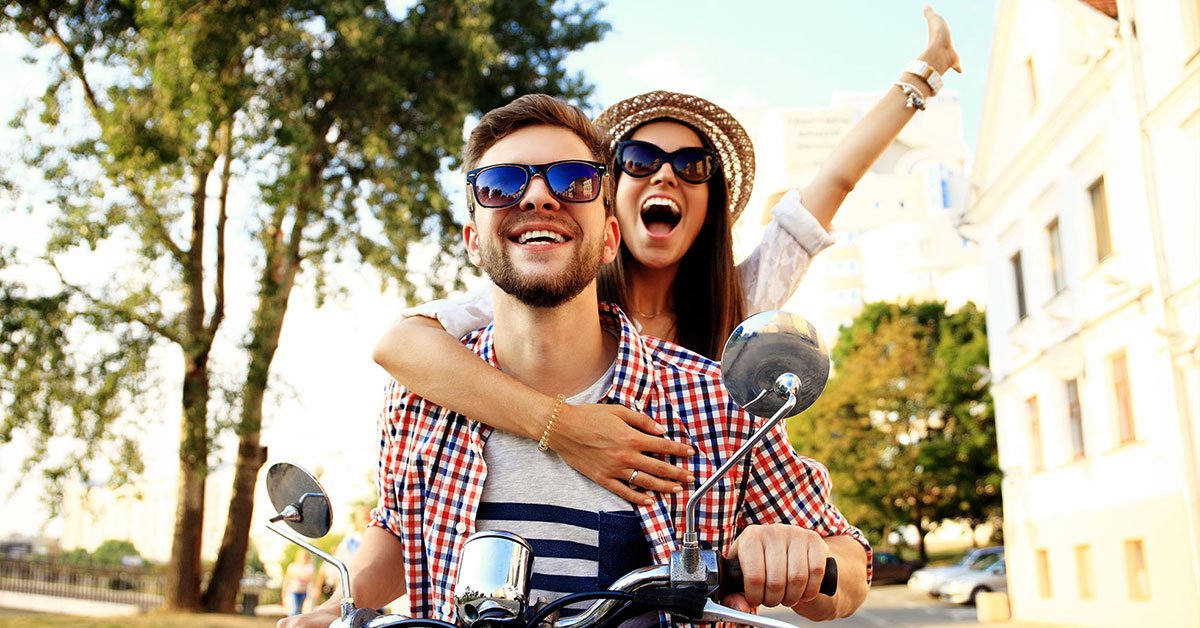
(583, 537)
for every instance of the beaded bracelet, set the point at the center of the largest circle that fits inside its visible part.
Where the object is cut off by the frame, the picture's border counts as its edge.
(915, 99)
(544, 444)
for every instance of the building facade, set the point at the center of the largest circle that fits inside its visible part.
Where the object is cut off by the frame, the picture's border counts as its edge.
(1086, 194)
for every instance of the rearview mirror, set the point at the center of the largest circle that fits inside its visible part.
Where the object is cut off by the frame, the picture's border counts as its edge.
(763, 352)
(299, 499)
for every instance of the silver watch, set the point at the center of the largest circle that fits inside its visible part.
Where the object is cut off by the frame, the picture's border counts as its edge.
(927, 74)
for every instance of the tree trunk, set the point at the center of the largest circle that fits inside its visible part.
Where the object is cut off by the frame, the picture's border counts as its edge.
(920, 520)
(183, 572)
(182, 589)
(231, 561)
(223, 587)
(279, 276)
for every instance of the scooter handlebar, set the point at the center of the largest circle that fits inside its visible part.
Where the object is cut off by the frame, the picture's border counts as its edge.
(731, 577)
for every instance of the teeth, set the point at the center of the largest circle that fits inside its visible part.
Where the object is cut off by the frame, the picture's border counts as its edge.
(540, 235)
(661, 200)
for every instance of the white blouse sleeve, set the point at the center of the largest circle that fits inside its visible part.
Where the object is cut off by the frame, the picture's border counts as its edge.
(459, 315)
(772, 272)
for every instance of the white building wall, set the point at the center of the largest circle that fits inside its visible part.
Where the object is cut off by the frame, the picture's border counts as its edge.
(1094, 116)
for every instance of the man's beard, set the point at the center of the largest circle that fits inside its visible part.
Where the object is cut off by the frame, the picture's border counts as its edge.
(542, 291)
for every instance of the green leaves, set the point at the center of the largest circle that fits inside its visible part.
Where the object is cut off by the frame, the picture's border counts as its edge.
(67, 373)
(905, 424)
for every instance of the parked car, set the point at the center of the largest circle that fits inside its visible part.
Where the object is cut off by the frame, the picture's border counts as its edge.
(930, 579)
(963, 588)
(890, 568)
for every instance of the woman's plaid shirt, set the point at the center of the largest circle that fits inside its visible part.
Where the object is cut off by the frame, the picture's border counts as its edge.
(431, 466)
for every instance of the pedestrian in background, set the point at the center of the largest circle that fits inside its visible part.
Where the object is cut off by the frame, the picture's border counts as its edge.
(297, 581)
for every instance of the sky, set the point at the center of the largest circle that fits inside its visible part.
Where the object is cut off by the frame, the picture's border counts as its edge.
(781, 53)
(775, 54)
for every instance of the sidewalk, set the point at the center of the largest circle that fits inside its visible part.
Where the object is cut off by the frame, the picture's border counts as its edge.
(68, 606)
(1011, 623)
(270, 610)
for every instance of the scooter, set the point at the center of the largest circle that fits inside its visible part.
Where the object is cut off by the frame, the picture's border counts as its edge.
(774, 365)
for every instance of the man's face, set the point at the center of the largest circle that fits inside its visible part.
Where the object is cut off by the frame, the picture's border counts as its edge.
(542, 250)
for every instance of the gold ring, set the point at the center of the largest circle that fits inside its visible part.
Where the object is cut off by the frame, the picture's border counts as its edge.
(632, 477)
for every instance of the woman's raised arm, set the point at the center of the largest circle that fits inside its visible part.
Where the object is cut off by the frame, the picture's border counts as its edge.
(800, 224)
(868, 139)
(604, 442)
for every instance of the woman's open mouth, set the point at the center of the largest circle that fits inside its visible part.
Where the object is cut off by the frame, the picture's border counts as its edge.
(660, 215)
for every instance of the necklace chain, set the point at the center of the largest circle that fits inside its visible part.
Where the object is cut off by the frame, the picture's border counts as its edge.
(650, 315)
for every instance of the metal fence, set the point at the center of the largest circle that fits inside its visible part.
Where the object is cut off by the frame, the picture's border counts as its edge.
(138, 586)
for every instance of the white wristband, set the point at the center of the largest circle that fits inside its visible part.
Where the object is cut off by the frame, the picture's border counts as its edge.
(927, 74)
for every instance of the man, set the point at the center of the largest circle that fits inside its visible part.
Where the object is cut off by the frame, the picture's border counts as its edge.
(541, 226)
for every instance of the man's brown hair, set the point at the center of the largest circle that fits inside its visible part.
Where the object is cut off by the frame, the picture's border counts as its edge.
(533, 110)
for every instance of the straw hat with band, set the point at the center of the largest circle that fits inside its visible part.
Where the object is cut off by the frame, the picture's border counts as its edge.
(722, 130)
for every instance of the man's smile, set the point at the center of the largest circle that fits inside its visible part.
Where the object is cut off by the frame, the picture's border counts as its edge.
(540, 234)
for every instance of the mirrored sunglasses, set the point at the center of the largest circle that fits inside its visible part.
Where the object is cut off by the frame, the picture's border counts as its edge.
(503, 185)
(642, 159)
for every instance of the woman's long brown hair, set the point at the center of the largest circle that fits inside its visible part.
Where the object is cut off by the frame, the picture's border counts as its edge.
(707, 292)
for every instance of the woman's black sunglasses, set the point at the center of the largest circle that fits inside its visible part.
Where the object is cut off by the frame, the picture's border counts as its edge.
(642, 159)
(502, 185)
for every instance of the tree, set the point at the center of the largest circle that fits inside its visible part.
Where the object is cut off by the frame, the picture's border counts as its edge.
(114, 553)
(341, 114)
(905, 424)
(961, 389)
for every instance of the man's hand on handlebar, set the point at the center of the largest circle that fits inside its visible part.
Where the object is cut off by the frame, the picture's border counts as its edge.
(781, 564)
(320, 618)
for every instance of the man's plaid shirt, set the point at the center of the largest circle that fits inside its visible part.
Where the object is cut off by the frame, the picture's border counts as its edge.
(432, 470)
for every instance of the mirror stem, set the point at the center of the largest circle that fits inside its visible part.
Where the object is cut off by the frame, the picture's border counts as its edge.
(347, 601)
(295, 512)
(291, 513)
(786, 382)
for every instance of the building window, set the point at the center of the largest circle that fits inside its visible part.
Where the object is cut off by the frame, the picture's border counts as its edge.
(1135, 570)
(1100, 219)
(1083, 572)
(1043, 573)
(1057, 269)
(1075, 419)
(1019, 280)
(1035, 433)
(1119, 372)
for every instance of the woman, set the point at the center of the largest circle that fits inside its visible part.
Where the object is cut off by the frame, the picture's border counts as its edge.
(297, 580)
(684, 171)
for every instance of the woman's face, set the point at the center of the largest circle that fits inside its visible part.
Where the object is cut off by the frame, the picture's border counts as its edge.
(661, 215)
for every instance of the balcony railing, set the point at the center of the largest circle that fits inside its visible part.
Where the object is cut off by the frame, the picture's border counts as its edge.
(138, 586)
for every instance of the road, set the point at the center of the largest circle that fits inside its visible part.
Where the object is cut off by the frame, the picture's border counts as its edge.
(887, 605)
(895, 606)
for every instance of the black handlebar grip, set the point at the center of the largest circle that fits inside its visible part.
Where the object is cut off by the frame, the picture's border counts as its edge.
(829, 582)
(731, 577)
